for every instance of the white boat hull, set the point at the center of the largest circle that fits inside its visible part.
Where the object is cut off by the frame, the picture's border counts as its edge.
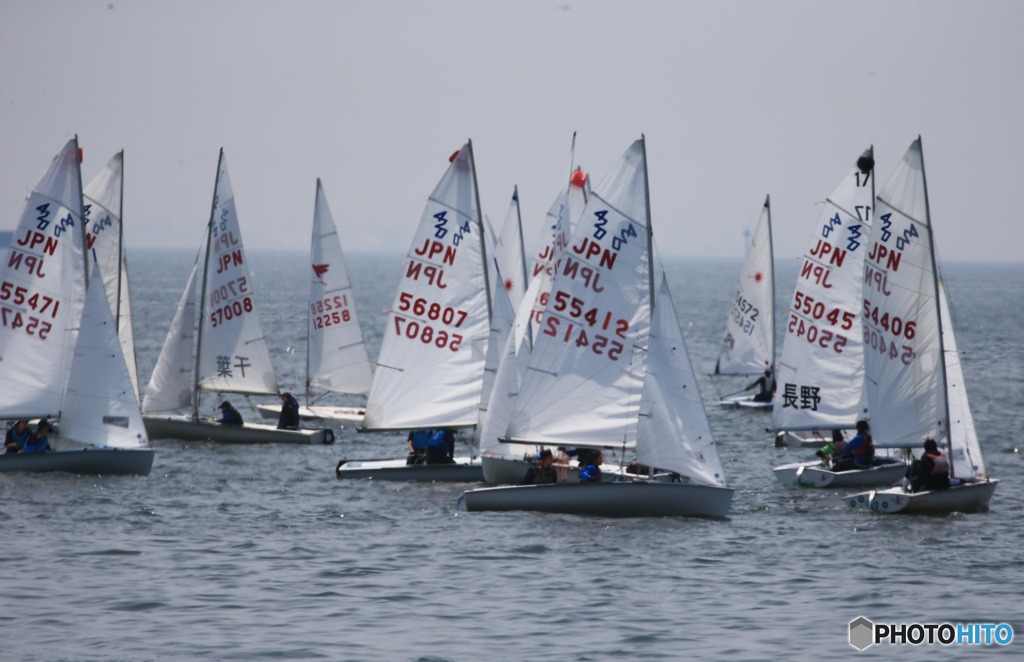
(744, 402)
(814, 474)
(185, 429)
(463, 470)
(86, 461)
(618, 499)
(966, 498)
(802, 438)
(340, 414)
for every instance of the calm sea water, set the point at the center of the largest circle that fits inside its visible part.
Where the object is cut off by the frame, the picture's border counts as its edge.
(237, 552)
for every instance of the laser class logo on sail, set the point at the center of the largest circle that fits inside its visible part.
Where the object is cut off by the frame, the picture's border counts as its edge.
(864, 633)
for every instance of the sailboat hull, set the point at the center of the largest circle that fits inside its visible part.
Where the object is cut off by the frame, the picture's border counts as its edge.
(463, 470)
(185, 429)
(339, 414)
(85, 461)
(966, 498)
(744, 402)
(618, 499)
(812, 474)
(802, 438)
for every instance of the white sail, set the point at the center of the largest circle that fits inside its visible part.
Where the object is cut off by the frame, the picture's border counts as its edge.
(509, 259)
(585, 376)
(821, 374)
(337, 352)
(100, 406)
(902, 352)
(749, 343)
(41, 293)
(170, 387)
(674, 433)
(503, 319)
(431, 364)
(503, 401)
(102, 212)
(233, 354)
(966, 450)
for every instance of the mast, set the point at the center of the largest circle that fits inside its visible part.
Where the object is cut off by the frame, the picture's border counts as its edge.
(938, 310)
(120, 247)
(202, 292)
(771, 258)
(522, 255)
(81, 214)
(650, 232)
(480, 225)
(316, 211)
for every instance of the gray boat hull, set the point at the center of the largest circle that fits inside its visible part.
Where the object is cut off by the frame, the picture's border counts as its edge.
(185, 429)
(967, 498)
(463, 470)
(85, 461)
(814, 474)
(619, 499)
(317, 413)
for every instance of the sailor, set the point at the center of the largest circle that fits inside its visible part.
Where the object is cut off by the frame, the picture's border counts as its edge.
(767, 384)
(933, 468)
(18, 436)
(417, 443)
(229, 415)
(860, 452)
(541, 472)
(289, 419)
(833, 449)
(441, 447)
(40, 443)
(591, 472)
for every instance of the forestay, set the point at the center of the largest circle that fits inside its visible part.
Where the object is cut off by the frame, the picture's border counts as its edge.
(585, 376)
(337, 353)
(104, 234)
(233, 354)
(170, 386)
(902, 354)
(674, 433)
(42, 293)
(966, 451)
(749, 343)
(431, 364)
(100, 406)
(821, 375)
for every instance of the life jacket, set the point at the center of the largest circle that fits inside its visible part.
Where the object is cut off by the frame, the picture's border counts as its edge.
(436, 439)
(420, 439)
(37, 447)
(866, 450)
(941, 464)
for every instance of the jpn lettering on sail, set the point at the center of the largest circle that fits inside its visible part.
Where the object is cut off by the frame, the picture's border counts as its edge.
(233, 353)
(906, 393)
(749, 343)
(431, 364)
(821, 375)
(674, 433)
(100, 407)
(170, 386)
(585, 376)
(337, 353)
(102, 213)
(966, 450)
(42, 291)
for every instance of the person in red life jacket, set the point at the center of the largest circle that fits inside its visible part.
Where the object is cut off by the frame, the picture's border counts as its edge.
(933, 468)
(859, 453)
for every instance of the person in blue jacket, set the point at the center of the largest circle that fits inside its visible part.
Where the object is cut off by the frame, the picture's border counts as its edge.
(40, 443)
(860, 452)
(289, 419)
(18, 436)
(591, 471)
(441, 447)
(229, 415)
(417, 443)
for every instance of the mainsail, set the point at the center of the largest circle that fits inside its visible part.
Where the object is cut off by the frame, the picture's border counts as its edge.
(170, 386)
(749, 343)
(233, 354)
(431, 364)
(903, 360)
(104, 238)
(42, 292)
(585, 376)
(336, 356)
(821, 375)
(509, 255)
(100, 406)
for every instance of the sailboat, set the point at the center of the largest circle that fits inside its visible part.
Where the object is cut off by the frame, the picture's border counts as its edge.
(231, 354)
(336, 358)
(914, 378)
(605, 374)
(431, 367)
(748, 347)
(56, 356)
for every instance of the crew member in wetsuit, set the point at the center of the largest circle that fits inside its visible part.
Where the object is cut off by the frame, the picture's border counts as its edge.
(591, 472)
(859, 453)
(17, 437)
(541, 472)
(417, 443)
(229, 415)
(441, 447)
(767, 384)
(834, 449)
(933, 469)
(289, 419)
(40, 442)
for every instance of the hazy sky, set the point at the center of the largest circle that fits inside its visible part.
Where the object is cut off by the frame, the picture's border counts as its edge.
(737, 99)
